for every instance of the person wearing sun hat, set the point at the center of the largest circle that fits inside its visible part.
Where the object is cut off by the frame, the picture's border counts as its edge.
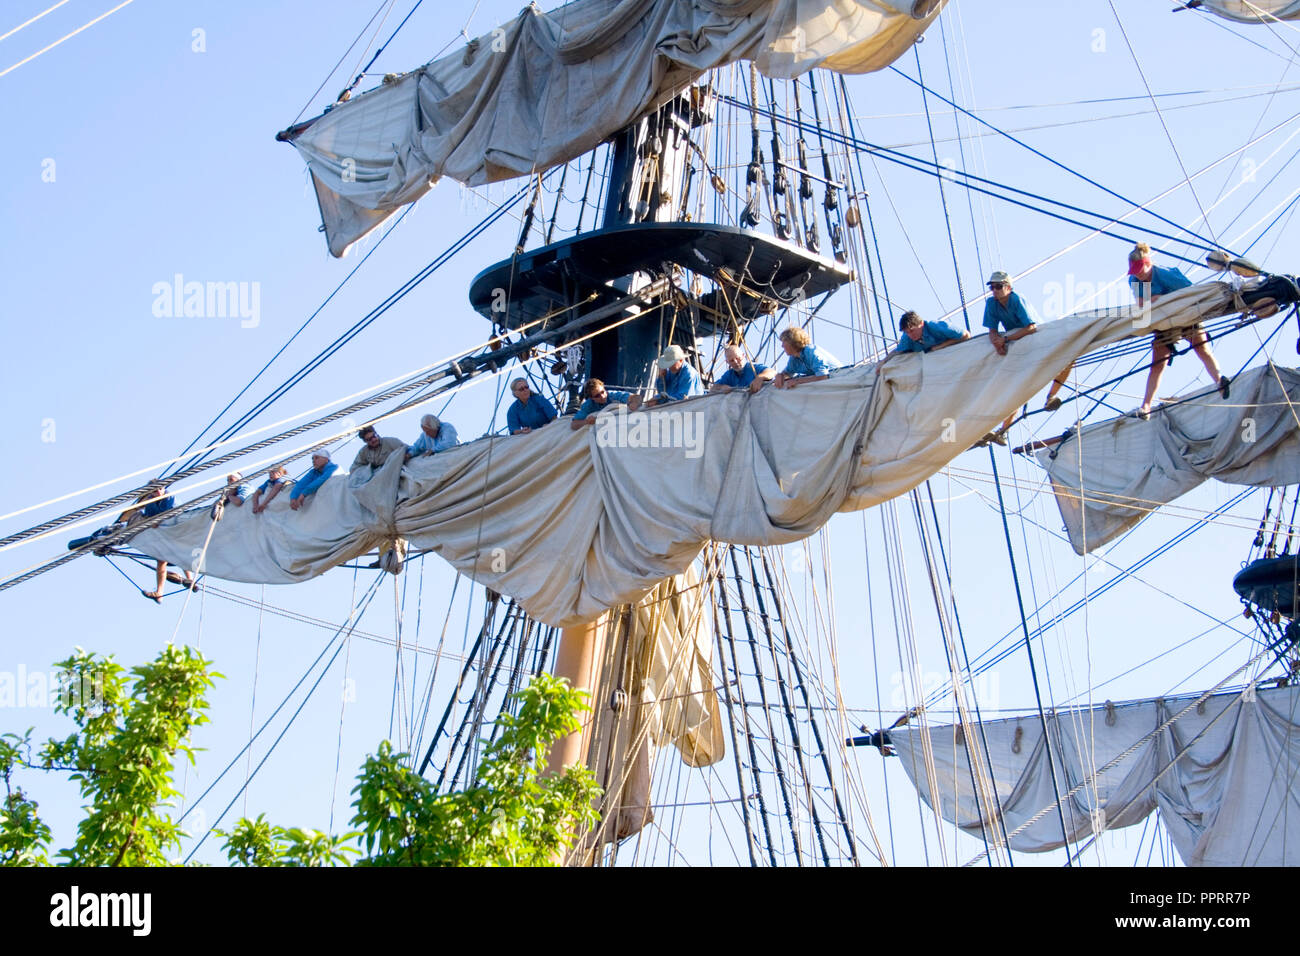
(316, 476)
(679, 379)
(1008, 317)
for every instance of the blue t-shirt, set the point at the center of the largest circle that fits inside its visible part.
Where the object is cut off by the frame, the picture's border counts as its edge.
(446, 439)
(268, 484)
(680, 384)
(535, 414)
(589, 406)
(1163, 281)
(932, 334)
(1016, 314)
(742, 379)
(312, 480)
(241, 491)
(155, 508)
(810, 362)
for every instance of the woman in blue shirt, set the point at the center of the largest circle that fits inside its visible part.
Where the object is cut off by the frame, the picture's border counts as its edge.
(1149, 281)
(805, 364)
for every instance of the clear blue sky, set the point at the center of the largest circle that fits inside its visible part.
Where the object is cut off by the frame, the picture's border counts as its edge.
(164, 163)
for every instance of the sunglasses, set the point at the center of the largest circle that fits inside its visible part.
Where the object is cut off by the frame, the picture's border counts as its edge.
(997, 285)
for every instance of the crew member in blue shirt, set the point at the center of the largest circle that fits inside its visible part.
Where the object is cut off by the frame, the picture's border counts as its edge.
(1005, 309)
(740, 373)
(921, 336)
(435, 436)
(165, 503)
(598, 398)
(679, 379)
(528, 411)
(805, 363)
(1150, 281)
(317, 475)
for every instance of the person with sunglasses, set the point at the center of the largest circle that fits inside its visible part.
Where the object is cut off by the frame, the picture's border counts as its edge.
(1008, 318)
(528, 411)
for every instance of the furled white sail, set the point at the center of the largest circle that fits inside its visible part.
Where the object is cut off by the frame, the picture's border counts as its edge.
(572, 524)
(1115, 473)
(1223, 775)
(547, 87)
(1253, 11)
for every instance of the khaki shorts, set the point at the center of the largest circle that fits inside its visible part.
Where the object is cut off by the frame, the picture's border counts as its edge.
(1171, 337)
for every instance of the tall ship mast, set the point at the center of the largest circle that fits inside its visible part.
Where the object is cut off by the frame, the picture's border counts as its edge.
(690, 177)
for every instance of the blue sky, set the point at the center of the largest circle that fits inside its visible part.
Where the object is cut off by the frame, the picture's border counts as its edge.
(164, 162)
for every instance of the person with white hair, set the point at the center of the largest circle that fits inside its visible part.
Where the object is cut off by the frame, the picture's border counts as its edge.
(679, 379)
(435, 436)
(741, 373)
(528, 411)
(376, 450)
(316, 476)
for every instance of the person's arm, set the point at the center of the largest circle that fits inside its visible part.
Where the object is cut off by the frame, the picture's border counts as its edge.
(1020, 333)
(947, 342)
(761, 379)
(270, 495)
(804, 380)
(513, 425)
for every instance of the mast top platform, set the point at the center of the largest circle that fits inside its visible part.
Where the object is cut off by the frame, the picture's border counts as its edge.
(748, 264)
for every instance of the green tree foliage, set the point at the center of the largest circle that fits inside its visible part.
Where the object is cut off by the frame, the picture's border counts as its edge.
(513, 815)
(122, 756)
(24, 839)
(258, 843)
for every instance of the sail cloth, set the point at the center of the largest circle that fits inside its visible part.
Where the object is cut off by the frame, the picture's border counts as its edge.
(573, 523)
(1253, 11)
(1117, 472)
(1231, 798)
(548, 87)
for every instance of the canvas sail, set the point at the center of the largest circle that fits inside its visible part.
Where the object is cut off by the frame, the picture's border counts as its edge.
(548, 87)
(574, 523)
(1253, 11)
(1115, 473)
(1228, 799)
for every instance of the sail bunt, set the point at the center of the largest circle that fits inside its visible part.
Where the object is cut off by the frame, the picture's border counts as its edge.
(1251, 11)
(572, 524)
(1113, 474)
(1221, 771)
(548, 87)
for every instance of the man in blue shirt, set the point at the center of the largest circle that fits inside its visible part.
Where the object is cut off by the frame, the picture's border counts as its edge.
(679, 379)
(805, 363)
(529, 411)
(1008, 311)
(435, 436)
(317, 475)
(598, 398)
(152, 510)
(921, 336)
(740, 373)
